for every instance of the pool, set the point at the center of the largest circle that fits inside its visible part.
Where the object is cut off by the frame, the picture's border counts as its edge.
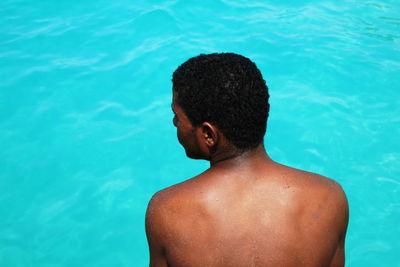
(86, 128)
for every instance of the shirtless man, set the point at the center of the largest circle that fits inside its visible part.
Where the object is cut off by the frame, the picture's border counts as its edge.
(246, 209)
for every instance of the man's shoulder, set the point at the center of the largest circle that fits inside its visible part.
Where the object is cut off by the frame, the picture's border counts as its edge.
(169, 208)
(160, 211)
(164, 199)
(323, 191)
(317, 188)
(315, 181)
(328, 187)
(335, 203)
(174, 197)
(164, 215)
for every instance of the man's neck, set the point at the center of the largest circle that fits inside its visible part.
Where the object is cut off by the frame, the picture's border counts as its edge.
(232, 158)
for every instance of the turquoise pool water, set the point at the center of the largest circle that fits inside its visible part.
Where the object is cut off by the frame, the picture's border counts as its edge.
(85, 123)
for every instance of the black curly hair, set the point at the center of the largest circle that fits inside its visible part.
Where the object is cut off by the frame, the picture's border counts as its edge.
(228, 90)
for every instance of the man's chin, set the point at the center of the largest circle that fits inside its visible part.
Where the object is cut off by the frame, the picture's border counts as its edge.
(192, 155)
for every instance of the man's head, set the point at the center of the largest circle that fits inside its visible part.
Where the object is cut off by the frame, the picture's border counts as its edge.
(226, 91)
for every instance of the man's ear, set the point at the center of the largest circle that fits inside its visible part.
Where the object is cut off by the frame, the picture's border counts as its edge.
(210, 134)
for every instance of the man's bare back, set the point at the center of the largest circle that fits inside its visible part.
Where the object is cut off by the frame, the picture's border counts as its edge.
(251, 213)
(246, 209)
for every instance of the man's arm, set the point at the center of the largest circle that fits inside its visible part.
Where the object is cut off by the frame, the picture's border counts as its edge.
(338, 259)
(155, 233)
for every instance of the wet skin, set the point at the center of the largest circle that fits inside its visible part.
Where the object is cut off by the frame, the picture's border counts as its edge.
(245, 210)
